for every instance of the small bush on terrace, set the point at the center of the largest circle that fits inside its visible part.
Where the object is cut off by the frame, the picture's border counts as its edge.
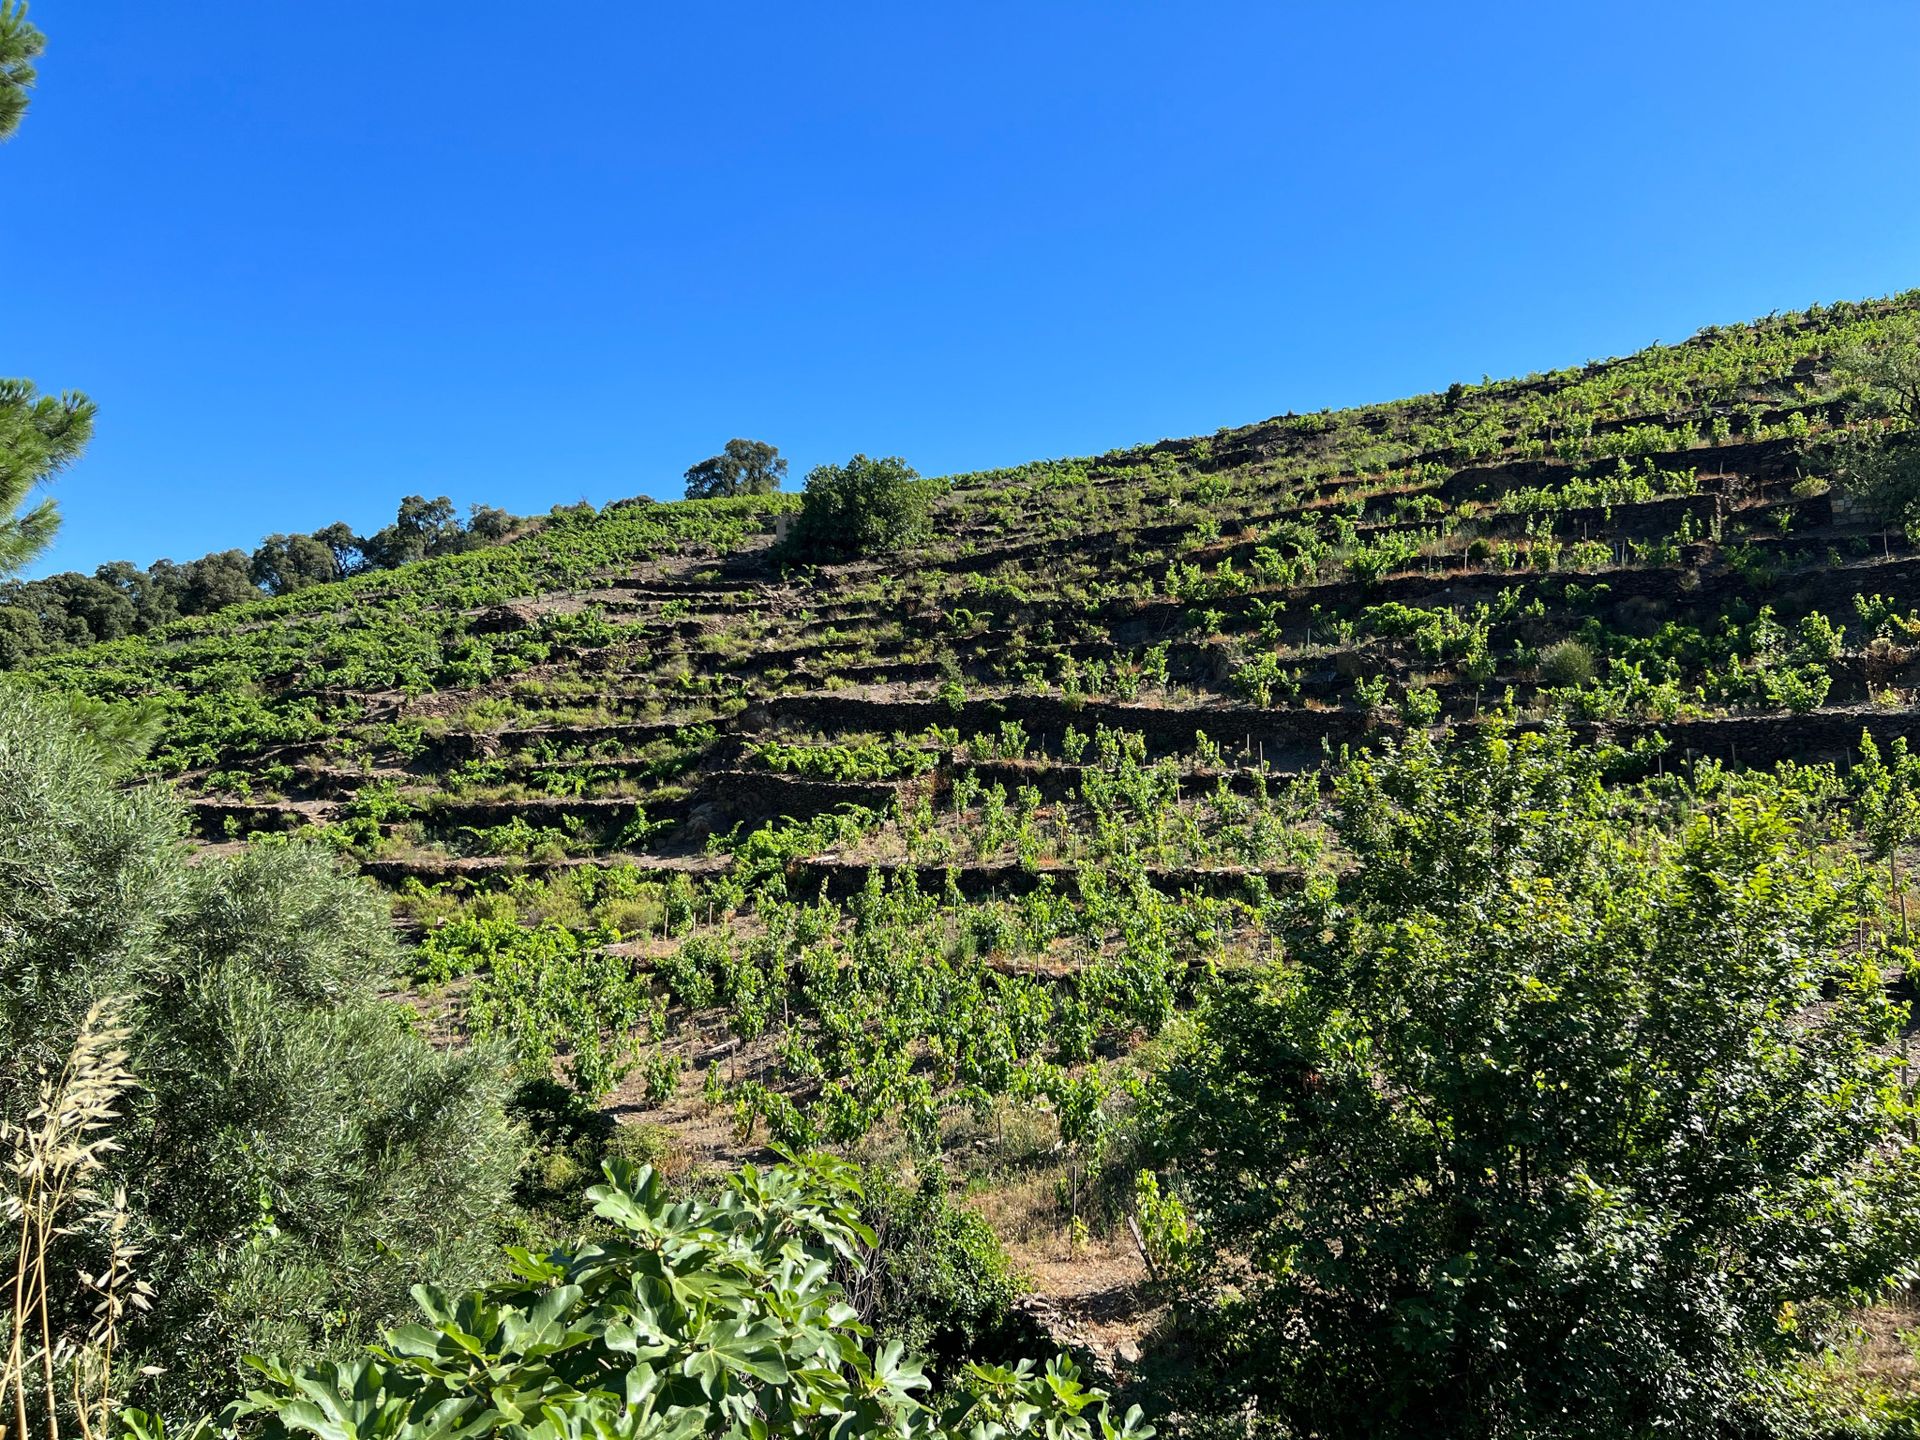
(864, 507)
(1567, 663)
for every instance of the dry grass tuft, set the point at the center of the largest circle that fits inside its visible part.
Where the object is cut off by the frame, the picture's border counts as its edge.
(50, 1164)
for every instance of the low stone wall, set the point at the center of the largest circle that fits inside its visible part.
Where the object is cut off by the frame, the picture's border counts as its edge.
(1167, 730)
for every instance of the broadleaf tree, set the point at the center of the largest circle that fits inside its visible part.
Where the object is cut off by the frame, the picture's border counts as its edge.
(1554, 1121)
(689, 1318)
(1879, 464)
(865, 507)
(299, 1153)
(743, 467)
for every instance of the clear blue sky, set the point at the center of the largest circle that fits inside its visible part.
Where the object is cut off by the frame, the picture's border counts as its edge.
(310, 258)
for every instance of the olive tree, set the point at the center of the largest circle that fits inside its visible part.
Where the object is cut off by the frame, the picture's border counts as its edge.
(1549, 1124)
(298, 1154)
(1887, 368)
(1878, 464)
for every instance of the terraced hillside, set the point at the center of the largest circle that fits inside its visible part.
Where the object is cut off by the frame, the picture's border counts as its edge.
(919, 850)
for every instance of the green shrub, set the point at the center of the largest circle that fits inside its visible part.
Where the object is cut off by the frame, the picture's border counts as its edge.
(1420, 705)
(937, 1279)
(1881, 473)
(1545, 1125)
(571, 1140)
(299, 1154)
(864, 507)
(1566, 663)
(691, 1319)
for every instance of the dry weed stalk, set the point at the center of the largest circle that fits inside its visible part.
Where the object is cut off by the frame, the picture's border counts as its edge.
(49, 1163)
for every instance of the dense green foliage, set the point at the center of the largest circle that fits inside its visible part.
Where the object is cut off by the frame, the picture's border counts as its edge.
(20, 45)
(1879, 465)
(934, 1276)
(66, 610)
(1553, 1121)
(1888, 370)
(864, 507)
(743, 467)
(40, 435)
(691, 1319)
(298, 1155)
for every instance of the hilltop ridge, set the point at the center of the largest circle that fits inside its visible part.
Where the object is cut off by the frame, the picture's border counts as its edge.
(608, 685)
